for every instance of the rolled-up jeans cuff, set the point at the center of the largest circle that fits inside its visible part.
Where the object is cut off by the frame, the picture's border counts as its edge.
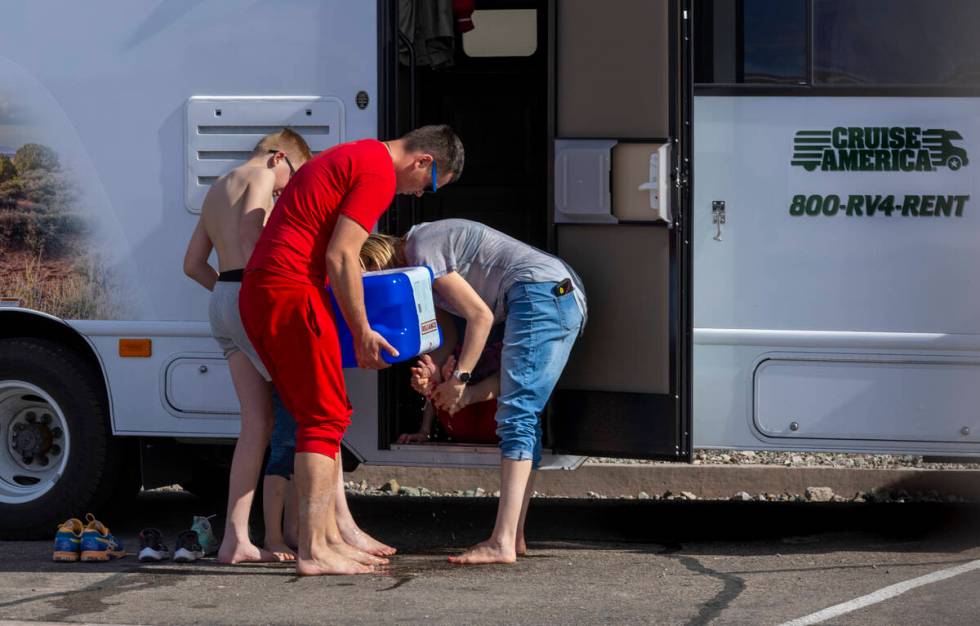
(280, 462)
(517, 454)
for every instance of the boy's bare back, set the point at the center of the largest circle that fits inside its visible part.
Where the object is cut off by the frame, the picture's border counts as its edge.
(234, 212)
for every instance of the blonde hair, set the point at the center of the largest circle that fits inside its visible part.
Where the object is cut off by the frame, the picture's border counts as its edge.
(287, 140)
(381, 252)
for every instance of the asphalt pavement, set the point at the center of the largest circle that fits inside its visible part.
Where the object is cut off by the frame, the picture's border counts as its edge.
(610, 561)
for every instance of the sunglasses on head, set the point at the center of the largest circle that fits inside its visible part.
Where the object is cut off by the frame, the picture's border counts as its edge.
(435, 176)
(292, 170)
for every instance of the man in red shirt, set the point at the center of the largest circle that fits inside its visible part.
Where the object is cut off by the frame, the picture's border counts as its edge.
(314, 236)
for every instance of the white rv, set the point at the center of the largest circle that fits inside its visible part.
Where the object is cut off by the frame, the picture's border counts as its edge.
(769, 201)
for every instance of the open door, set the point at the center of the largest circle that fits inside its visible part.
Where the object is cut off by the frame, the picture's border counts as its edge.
(574, 117)
(621, 90)
(494, 93)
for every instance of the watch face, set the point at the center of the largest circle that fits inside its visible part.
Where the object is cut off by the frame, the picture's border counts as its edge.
(464, 377)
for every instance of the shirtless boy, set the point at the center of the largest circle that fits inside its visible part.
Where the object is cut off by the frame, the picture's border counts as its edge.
(234, 212)
(315, 235)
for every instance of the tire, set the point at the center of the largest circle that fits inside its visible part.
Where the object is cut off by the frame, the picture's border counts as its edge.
(954, 163)
(67, 392)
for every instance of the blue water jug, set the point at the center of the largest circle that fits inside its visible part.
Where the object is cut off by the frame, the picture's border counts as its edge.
(399, 307)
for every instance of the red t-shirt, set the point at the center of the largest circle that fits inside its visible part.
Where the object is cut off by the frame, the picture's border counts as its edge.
(354, 179)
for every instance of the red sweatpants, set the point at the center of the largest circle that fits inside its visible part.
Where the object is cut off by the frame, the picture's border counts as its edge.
(292, 327)
(475, 423)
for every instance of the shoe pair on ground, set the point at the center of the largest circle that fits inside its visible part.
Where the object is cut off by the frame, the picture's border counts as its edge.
(90, 542)
(191, 545)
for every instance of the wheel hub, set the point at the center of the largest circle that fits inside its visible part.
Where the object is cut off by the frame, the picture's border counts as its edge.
(33, 441)
(33, 438)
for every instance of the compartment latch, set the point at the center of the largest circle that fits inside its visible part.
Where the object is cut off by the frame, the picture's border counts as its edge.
(718, 217)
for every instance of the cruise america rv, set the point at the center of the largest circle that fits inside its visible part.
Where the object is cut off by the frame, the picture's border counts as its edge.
(769, 202)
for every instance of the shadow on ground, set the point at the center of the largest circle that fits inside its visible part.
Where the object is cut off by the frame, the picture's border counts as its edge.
(420, 525)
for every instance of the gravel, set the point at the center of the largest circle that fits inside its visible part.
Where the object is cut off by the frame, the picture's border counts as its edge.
(811, 494)
(801, 459)
(815, 493)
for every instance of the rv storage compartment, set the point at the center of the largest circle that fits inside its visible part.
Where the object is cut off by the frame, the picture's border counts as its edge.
(868, 397)
(625, 347)
(612, 69)
(200, 385)
(399, 307)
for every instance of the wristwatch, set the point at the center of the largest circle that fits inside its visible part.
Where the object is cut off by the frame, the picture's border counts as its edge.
(463, 377)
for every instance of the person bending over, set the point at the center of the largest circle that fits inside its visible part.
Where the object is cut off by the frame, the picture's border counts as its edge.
(485, 276)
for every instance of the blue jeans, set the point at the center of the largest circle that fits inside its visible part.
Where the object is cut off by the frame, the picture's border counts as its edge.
(540, 330)
(282, 447)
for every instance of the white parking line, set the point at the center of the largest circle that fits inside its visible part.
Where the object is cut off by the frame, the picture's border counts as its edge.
(4, 622)
(883, 594)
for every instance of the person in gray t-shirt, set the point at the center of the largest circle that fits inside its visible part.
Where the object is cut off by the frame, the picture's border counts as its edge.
(484, 276)
(490, 261)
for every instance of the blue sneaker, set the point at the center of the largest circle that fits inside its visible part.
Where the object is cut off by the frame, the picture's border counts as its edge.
(68, 541)
(98, 544)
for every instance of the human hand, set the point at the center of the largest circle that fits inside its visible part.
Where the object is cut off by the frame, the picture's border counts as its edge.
(367, 348)
(424, 376)
(447, 395)
(419, 437)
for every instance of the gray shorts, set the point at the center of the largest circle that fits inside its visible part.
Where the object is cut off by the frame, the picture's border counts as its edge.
(226, 324)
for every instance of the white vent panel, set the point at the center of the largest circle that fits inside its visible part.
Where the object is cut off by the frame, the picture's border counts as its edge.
(222, 131)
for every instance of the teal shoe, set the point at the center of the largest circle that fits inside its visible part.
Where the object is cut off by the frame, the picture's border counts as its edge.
(205, 535)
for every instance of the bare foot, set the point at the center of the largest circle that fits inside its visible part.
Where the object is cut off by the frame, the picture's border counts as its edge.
(281, 551)
(329, 562)
(488, 551)
(233, 551)
(364, 542)
(356, 555)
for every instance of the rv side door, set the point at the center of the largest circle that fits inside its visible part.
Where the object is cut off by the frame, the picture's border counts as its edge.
(622, 92)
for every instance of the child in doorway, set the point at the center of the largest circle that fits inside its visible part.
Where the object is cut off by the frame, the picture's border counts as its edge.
(472, 420)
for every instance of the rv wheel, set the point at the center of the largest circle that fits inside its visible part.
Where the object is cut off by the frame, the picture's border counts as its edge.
(57, 456)
(954, 163)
